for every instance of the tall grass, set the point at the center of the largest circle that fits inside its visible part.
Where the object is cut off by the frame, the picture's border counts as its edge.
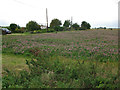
(61, 72)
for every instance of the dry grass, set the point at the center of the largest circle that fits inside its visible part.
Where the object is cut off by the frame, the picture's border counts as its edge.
(13, 62)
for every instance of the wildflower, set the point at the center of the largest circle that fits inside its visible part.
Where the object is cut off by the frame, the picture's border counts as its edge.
(22, 51)
(87, 48)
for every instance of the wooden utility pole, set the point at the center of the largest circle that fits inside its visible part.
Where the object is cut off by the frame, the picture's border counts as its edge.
(71, 22)
(47, 19)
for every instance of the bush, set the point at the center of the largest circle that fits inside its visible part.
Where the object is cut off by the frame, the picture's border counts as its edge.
(82, 28)
(58, 28)
(21, 30)
(47, 31)
(51, 30)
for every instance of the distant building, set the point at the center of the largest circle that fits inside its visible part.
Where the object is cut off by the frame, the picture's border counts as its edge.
(43, 26)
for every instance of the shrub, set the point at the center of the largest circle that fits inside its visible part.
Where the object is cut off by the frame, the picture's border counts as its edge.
(21, 30)
(82, 28)
(58, 28)
(51, 30)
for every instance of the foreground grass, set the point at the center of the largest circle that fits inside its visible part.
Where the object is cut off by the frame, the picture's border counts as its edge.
(14, 62)
(18, 62)
(62, 72)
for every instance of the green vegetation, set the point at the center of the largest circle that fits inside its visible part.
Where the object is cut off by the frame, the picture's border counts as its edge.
(16, 62)
(73, 59)
(13, 26)
(75, 26)
(60, 72)
(66, 23)
(32, 25)
(85, 25)
(55, 23)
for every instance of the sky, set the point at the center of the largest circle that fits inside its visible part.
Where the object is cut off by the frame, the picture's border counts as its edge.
(99, 13)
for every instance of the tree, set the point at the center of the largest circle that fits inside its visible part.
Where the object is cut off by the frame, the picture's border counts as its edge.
(18, 26)
(66, 23)
(75, 26)
(85, 25)
(13, 26)
(55, 22)
(104, 27)
(32, 25)
(88, 26)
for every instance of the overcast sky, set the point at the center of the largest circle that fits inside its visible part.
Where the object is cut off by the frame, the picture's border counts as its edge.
(97, 12)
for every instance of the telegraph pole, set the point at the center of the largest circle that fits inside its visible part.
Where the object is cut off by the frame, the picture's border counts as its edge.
(71, 22)
(47, 19)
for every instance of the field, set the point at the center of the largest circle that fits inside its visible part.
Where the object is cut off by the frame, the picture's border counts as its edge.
(72, 59)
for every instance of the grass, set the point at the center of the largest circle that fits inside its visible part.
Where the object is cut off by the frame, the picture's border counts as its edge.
(18, 62)
(76, 44)
(86, 45)
(77, 58)
(14, 62)
(61, 72)
(107, 66)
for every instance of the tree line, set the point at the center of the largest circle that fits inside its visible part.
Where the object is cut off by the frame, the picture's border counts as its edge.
(55, 25)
